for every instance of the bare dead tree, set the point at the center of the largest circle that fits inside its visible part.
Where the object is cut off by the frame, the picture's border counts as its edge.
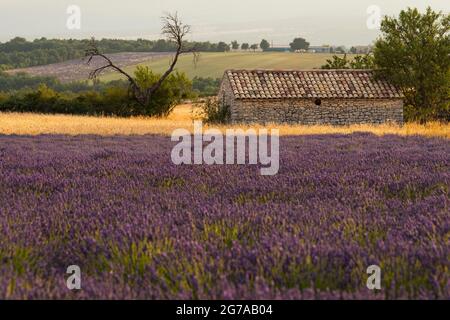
(92, 52)
(175, 31)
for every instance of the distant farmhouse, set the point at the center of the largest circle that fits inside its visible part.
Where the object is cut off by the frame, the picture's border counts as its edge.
(337, 97)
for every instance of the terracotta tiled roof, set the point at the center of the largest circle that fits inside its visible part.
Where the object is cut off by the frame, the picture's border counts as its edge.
(279, 84)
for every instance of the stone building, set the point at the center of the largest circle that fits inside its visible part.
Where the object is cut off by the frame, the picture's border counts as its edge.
(337, 97)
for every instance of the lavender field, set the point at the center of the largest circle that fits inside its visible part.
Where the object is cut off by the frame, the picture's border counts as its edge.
(140, 227)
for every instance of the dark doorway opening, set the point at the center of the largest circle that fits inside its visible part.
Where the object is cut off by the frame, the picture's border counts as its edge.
(318, 102)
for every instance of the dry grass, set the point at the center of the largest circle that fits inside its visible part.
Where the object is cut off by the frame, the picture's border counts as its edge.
(182, 117)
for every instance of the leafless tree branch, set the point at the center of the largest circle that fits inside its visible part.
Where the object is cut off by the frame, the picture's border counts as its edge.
(174, 30)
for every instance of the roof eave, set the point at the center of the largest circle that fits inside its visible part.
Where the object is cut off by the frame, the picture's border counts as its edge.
(324, 98)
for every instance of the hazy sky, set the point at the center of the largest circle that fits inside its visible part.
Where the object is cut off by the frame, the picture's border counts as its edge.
(320, 21)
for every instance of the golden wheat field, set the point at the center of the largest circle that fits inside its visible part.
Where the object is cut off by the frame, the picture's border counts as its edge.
(182, 117)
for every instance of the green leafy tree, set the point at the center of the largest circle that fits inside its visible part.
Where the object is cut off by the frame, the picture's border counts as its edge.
(299, 44)
(254, 47)
(245, 46)
(264, 45)
(414, 54)
(234, 45)
(223, 47)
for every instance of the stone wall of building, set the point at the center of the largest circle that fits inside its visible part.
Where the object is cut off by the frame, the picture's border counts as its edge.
(225, 95)
(305, 111)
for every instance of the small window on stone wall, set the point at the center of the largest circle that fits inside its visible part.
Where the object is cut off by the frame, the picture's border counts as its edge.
(318, 102)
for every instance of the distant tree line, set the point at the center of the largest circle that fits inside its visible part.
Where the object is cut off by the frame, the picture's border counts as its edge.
(16, 89)
(206, 87)
(264, 45)
(23, 82)
(20, 53)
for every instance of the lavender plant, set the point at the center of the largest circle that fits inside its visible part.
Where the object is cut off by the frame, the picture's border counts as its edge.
(140, 227)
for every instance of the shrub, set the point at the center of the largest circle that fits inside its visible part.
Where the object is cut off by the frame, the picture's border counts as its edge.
(173, 90)
(102, 99)
(214, 111)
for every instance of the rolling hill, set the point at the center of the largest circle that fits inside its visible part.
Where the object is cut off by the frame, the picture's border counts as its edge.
(214, 64)
(210, 64)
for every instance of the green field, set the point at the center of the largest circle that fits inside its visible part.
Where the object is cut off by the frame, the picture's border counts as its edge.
(214, 64)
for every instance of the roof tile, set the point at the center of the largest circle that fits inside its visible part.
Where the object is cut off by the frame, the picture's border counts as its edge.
(269, 84)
